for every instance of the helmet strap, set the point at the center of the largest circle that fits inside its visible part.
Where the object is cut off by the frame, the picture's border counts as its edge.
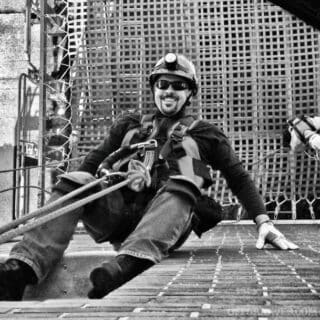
(188, 102)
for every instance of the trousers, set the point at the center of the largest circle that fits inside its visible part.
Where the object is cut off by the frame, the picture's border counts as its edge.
(149, 231)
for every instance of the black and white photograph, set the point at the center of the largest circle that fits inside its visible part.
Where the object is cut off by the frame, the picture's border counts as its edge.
(160, 159)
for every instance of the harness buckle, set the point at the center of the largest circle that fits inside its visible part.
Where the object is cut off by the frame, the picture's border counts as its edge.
(179, 131)
(145, 145)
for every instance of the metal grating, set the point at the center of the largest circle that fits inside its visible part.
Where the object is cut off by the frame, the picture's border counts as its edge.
(257, 64)
(220, 276)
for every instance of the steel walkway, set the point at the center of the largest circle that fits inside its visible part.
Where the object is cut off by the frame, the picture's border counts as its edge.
(221, 276)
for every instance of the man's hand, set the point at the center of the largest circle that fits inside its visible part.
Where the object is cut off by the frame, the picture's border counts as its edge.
(268, 233)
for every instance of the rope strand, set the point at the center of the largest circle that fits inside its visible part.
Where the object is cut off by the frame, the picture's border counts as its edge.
(12, 233)
(44, 165)
(49, 206)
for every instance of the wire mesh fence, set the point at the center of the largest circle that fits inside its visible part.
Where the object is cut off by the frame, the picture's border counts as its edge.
(257, 65)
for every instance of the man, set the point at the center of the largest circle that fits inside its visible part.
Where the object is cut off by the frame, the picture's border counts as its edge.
(155, 217)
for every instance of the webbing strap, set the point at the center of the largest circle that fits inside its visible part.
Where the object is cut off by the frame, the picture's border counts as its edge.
(174, 145)
(176, 134)
(128, 136)
(146, 130)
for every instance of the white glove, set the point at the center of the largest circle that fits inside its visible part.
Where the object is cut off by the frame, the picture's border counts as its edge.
(268, 233)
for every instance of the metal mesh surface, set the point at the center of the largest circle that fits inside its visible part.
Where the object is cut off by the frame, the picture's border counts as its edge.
(220, 276)
(257, 65)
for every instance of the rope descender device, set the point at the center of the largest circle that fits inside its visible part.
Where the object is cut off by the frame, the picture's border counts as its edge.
(124, 154)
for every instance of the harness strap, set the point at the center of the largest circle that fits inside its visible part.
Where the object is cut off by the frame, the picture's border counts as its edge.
(147, 124)
(124, 154)
(176, 134)
(128, 137)
(174, 145)
(146, 129)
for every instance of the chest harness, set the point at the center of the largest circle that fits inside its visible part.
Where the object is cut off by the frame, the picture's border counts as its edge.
(160, 149)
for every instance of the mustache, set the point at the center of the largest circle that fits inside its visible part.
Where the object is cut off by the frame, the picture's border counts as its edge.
(169, 95)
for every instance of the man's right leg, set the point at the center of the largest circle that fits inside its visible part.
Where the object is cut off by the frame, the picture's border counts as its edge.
(34, 256)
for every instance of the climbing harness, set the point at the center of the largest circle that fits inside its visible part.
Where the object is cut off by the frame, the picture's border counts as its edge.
(149, 153)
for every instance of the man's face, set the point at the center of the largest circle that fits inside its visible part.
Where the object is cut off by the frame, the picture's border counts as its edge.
(170, 94)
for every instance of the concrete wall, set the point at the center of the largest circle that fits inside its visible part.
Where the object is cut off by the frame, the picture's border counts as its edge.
(13, 62)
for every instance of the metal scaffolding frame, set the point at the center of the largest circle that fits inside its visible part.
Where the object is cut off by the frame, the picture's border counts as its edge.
(94, 57)
(42, 153)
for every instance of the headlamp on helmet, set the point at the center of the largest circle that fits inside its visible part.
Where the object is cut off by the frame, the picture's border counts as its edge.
(171, 61)
(178, 65)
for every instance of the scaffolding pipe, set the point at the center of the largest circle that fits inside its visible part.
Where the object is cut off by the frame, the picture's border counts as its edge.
(16, 150)
(42, 102)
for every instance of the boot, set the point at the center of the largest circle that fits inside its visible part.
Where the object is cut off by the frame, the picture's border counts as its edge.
(15, 275)
(111, 275)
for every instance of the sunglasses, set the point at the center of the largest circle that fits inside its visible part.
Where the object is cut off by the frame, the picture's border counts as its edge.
(176, 85)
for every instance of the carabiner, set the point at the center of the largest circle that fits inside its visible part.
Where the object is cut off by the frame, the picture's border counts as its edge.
(150, 144)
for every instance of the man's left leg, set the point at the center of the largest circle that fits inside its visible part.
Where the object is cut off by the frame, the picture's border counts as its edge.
(112, 274)
(165, 221)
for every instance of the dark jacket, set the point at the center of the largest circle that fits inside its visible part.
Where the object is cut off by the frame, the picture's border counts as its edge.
(214, 148)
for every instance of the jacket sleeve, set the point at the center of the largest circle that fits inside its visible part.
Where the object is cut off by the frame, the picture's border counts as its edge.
(210, 139)
(111, 143)
(244, 189)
